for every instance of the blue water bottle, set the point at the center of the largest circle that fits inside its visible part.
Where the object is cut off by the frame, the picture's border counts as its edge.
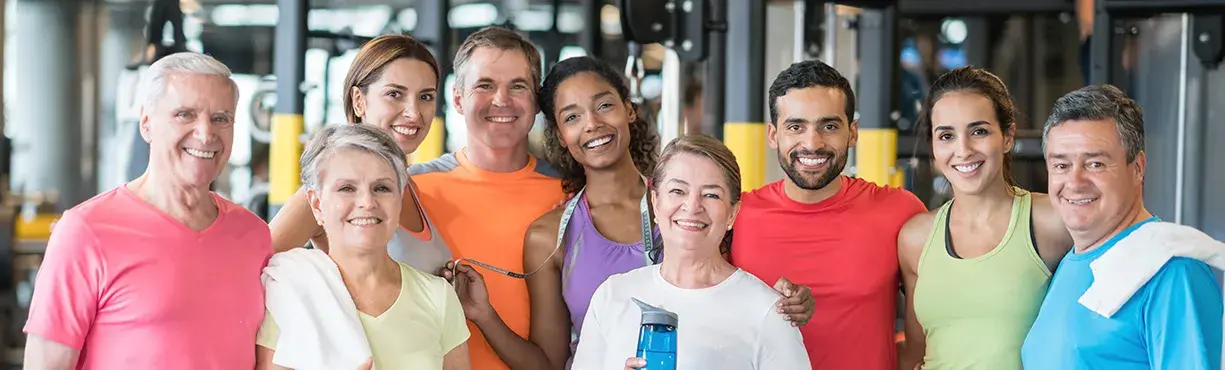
(657, 337)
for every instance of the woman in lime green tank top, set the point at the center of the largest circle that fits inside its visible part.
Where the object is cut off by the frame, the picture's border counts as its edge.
(976, 269)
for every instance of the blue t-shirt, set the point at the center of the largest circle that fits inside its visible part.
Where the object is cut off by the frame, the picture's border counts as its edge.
(1172, 322)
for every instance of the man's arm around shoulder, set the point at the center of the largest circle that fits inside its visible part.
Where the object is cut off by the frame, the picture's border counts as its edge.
(1182, 317)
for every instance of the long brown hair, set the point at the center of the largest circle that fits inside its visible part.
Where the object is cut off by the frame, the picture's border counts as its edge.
(373, 58)
(981, 82)
(709, 147)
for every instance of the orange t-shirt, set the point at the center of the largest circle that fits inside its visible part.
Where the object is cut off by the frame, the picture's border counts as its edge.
(484, 215)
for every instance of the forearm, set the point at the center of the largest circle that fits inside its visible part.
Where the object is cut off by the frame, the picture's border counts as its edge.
(514, 350)
(294, 224)
(911, 354)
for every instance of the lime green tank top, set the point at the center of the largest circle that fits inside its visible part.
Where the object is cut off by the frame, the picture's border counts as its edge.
(976, 312)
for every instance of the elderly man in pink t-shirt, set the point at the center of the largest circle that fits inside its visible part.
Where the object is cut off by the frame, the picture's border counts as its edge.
(159, 273)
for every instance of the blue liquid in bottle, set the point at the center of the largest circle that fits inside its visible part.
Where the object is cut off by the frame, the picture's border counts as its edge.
(657, 338)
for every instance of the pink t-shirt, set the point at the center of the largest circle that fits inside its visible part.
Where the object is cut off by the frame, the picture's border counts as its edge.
(132, 288)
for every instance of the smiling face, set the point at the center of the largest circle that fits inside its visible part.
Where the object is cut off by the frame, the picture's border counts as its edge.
(1091, 184)
(401, 101)
(812, 135)
(594, 122)
(693, 204)
(190, 128)
(498, 99)
(358, 201)
(967, 142)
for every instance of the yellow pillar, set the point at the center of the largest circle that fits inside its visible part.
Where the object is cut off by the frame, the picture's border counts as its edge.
(876, 156)
(747, 140)
(433, 145)
(285, 151)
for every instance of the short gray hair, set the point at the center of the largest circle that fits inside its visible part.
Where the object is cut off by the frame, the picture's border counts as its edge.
(367, 138)
(1100, 102)
(153, 81)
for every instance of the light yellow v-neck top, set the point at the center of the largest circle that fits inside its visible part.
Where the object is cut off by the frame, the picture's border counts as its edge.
(423, 325)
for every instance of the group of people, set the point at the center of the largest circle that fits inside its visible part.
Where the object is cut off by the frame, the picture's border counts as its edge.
(490, 258)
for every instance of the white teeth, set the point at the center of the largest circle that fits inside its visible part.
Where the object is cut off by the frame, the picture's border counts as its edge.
(1079, 201)
(813, 161)
(691, 224)
(598, 142)
(364, 221)
(405, 130)
(501, 119)
(200, 153)
(968, 167)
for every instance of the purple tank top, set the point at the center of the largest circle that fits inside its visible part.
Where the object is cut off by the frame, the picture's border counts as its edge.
(590, 259)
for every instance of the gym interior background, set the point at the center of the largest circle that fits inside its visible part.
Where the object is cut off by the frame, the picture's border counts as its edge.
(70, 68)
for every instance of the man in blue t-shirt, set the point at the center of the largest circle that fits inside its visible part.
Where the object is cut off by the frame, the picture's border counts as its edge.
(1094, 141)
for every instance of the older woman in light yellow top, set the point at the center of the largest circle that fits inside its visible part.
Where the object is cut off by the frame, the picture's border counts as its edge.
(355, 181)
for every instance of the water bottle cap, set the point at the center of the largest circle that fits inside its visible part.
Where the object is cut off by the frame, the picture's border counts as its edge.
(652, 315)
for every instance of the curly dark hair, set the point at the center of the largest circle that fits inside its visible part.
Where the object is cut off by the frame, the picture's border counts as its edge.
(644, 141)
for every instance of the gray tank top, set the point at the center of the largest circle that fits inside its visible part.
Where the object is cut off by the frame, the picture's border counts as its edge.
(428, 256)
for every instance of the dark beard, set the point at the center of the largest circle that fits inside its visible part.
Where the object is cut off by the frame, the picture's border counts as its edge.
(835, 169)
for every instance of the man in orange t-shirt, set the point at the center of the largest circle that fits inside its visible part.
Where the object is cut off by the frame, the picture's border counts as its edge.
(483, 197)
(836, 235)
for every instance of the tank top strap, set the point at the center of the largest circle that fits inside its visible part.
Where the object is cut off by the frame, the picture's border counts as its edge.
(576, 229)
(1024, 240)
(425, 218)
(1018, 240)
(425, 251)
(937, 237)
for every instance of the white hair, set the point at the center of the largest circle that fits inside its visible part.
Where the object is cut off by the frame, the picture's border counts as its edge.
(153, 82)
(332, 138)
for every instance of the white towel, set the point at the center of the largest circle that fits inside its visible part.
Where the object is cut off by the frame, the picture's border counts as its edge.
(317, 317)
(1133, 261)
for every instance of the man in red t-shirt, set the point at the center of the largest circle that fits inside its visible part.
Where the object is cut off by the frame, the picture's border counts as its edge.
(834, 234)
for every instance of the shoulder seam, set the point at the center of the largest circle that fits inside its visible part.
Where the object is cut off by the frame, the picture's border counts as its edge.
(546, 169)
(445, 163)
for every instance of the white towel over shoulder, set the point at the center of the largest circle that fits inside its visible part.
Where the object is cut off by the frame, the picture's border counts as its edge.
(314, 311)
(1133, 261)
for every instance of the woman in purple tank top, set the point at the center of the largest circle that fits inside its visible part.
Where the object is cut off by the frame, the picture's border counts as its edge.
(601, 146)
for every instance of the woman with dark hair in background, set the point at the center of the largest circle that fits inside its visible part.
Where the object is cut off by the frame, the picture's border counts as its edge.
(602, 148)
(391, 85)
(975, 270)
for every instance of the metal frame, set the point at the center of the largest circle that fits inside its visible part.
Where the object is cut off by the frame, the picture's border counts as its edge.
(878, 77)
(745, 61)
(714, 93)
(434, 29)
(591, 37)
(1141, 8)
(1105, 45)
(288, 58)
(945, 8)
(289, 64)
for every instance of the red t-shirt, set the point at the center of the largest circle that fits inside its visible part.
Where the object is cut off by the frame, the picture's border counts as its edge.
(845, 249)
